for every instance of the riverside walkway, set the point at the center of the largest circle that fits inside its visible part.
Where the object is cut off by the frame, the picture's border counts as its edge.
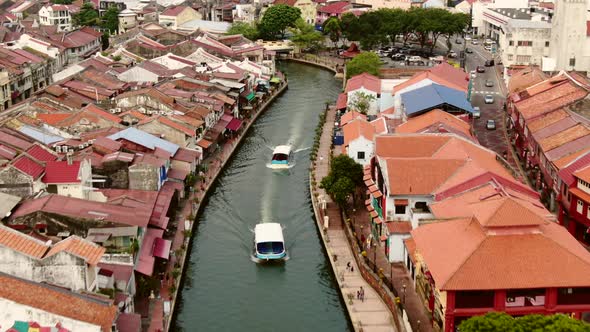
(372, 314)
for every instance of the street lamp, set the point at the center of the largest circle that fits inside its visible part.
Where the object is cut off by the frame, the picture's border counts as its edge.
(375, 256)
(418, 326)
(404, 293)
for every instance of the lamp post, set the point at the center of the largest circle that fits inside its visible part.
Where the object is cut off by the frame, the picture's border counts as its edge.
(375, 256)
(404, 294)
(418, 326)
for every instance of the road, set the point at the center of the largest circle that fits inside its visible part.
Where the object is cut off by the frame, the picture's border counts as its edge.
(495, 140)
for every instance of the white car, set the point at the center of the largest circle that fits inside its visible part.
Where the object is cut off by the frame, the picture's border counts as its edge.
(452, 54)
(473, 74)
(488, 48)
(415, 58)
(467, 38)
(476, 112)
(489, 99)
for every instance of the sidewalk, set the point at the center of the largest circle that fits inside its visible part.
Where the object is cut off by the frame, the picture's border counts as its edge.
(411, 301)
(369, 315)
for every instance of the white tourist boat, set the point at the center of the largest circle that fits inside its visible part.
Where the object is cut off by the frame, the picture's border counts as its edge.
(269, 244)
(281, 157)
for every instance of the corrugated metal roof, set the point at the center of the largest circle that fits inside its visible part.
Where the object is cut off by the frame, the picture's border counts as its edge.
(142, 138)
(433, 95)
(40, 136)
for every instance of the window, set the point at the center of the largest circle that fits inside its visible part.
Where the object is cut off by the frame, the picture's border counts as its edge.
(580, 206)
(572, 62)
(546, 44)
(360, 155)
(400, 209)
(525, 43)
(510, 57)
(588, 213)
(523, 58)
(511, 43)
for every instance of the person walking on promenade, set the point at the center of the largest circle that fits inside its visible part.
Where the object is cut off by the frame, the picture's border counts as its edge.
(358, 294)
(362, 292)
(348, 266)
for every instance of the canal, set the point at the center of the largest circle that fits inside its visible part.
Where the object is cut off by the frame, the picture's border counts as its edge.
(224, 290)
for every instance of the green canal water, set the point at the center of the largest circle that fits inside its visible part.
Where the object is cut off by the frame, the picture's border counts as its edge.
(224, 290)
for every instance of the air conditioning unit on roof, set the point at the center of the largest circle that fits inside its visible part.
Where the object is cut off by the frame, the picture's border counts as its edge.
(113, 110)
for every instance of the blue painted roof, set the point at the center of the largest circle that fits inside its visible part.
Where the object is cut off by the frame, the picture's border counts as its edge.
(432, 95)
(145, 139)
(40, 135)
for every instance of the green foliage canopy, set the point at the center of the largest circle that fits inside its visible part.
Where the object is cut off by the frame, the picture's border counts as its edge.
(87, 16)
(501, 322)
(345, 175)
(366, 62)
(248, 30)
(277, 19)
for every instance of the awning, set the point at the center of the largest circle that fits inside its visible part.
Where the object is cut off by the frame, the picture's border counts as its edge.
(249, 95)
(378, 220)
(368, 202)
(373, 188)
(145, 264)
(369, 182)
(98, 238)
(374, 214)
(220, 126)
(367, 177)
(383, 238)
(205, 144)
(226, 117)
(162, 248)
(377, 194)
(234, 124)
(400, 202)
(275, 80)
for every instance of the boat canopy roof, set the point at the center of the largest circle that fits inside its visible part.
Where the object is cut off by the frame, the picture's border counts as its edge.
(268, 232)
(282, 149)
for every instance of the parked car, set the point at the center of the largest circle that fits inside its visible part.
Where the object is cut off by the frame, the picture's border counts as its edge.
(472, 74)
(467, 38)
(481, 69)
(468, 50)
(457, 41)
(452, 54)
(398, 57)
(415, 58)
(491, 124)
(488, 48)
(488, 99)
(476, 112)
(489, 63)
(474, 42)
(489, 83)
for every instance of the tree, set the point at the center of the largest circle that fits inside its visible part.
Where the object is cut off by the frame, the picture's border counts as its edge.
(305, 35)
(247, 30)
(351, 29)
(361, 102)
(501, 322)
(61, 2)
(345, 175)
(366, 62)
(277, 19)
(110, 20)
(87, 16)
(333, 29)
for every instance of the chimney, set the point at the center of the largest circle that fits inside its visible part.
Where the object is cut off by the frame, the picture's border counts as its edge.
(69, 158)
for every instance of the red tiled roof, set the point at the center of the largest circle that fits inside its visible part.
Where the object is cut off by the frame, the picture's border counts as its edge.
(399, 227)
(90, 252)
(587, 28)
(462, 255)
(178, 174)
(14, 141)
(102, 113)
(62, 172)
(367, 81)
(56, 300)
(334, 8)
(39, 153)
(53, 118)
(83, 209)
(186, 155)
(350, 116)
(443, 74)
(22, 243)
(107, 143)
(342, 101)
(173, 11)
(28, 166)
(566, 174)
(434, 118)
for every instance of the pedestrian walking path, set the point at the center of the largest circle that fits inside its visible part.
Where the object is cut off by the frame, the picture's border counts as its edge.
(369, 314)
